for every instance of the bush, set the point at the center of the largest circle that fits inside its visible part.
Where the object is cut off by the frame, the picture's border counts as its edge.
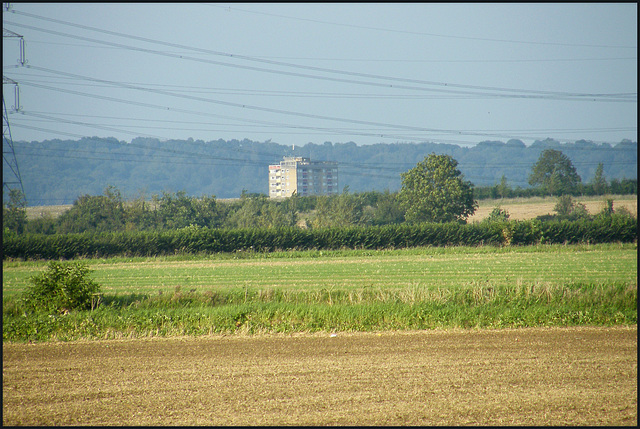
(62, 288)
(498, 215)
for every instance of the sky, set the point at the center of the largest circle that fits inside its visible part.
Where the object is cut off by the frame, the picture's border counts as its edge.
(294, 73)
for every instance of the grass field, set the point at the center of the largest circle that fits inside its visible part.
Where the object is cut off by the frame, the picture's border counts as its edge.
(441, 267)
(349, 290)
(578, 376)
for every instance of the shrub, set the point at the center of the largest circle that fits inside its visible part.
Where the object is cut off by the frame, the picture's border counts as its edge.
(498, 215)
(63, 287)
(569, 209)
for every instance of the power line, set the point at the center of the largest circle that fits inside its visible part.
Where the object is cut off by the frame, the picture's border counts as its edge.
(417, 33)
(264, 109)
(395, 167)
(626, 97)
(622, 97)
(342, 130)
(288, 94)
(343, 171)
(20, 125)
(385, 60)
(308, 94)
(250, 107)
(519, 93)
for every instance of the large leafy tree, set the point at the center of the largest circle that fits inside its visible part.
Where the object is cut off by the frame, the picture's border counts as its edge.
(434, 191)
(555, 173)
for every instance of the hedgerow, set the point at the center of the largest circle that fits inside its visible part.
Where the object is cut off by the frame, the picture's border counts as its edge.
(601, 229)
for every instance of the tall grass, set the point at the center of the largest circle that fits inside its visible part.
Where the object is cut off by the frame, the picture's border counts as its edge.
(251, 311)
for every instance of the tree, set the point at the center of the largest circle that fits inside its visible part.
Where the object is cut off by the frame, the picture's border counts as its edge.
(339, 210)
(206, 212)
(564, 206)
(387, 210)
(599, 182)
(503, 188)
(174, 210)
(434, 191)
(323, 212)
(555, 173)
(14, 214)
(102, 213)
(251, 213)
(139, 215)
(608, 207)
(569, 209)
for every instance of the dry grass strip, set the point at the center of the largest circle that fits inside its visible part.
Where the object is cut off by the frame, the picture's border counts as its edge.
(530, 208)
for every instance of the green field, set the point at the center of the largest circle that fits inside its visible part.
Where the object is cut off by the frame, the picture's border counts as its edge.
(350, 290)
(441, 267)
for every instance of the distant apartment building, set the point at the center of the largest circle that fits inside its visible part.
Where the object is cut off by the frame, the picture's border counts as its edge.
(302, 176)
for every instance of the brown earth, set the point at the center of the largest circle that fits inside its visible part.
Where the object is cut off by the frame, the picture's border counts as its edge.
(545, 376)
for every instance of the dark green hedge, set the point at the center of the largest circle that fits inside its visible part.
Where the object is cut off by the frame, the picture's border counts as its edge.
(615, 228)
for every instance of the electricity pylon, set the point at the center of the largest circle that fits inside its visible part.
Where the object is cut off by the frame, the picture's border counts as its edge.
(8, 153)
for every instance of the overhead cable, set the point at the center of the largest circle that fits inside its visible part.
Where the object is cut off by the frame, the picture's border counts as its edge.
(515, 93)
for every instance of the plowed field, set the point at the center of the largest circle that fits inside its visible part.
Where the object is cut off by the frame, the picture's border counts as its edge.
(545, 376)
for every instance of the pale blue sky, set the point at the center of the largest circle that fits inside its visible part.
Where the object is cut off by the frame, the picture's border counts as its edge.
(297, 73)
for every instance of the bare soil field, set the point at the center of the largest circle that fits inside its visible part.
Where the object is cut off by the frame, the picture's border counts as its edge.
(542, 376)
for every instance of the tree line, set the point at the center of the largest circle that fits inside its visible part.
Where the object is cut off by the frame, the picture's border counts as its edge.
(58, 171)
(433, 191)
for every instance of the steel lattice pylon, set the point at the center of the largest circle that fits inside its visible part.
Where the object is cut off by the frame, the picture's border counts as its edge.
(9, 161)
(9, 157)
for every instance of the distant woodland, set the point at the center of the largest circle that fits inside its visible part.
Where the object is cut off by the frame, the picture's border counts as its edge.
(59, 171)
